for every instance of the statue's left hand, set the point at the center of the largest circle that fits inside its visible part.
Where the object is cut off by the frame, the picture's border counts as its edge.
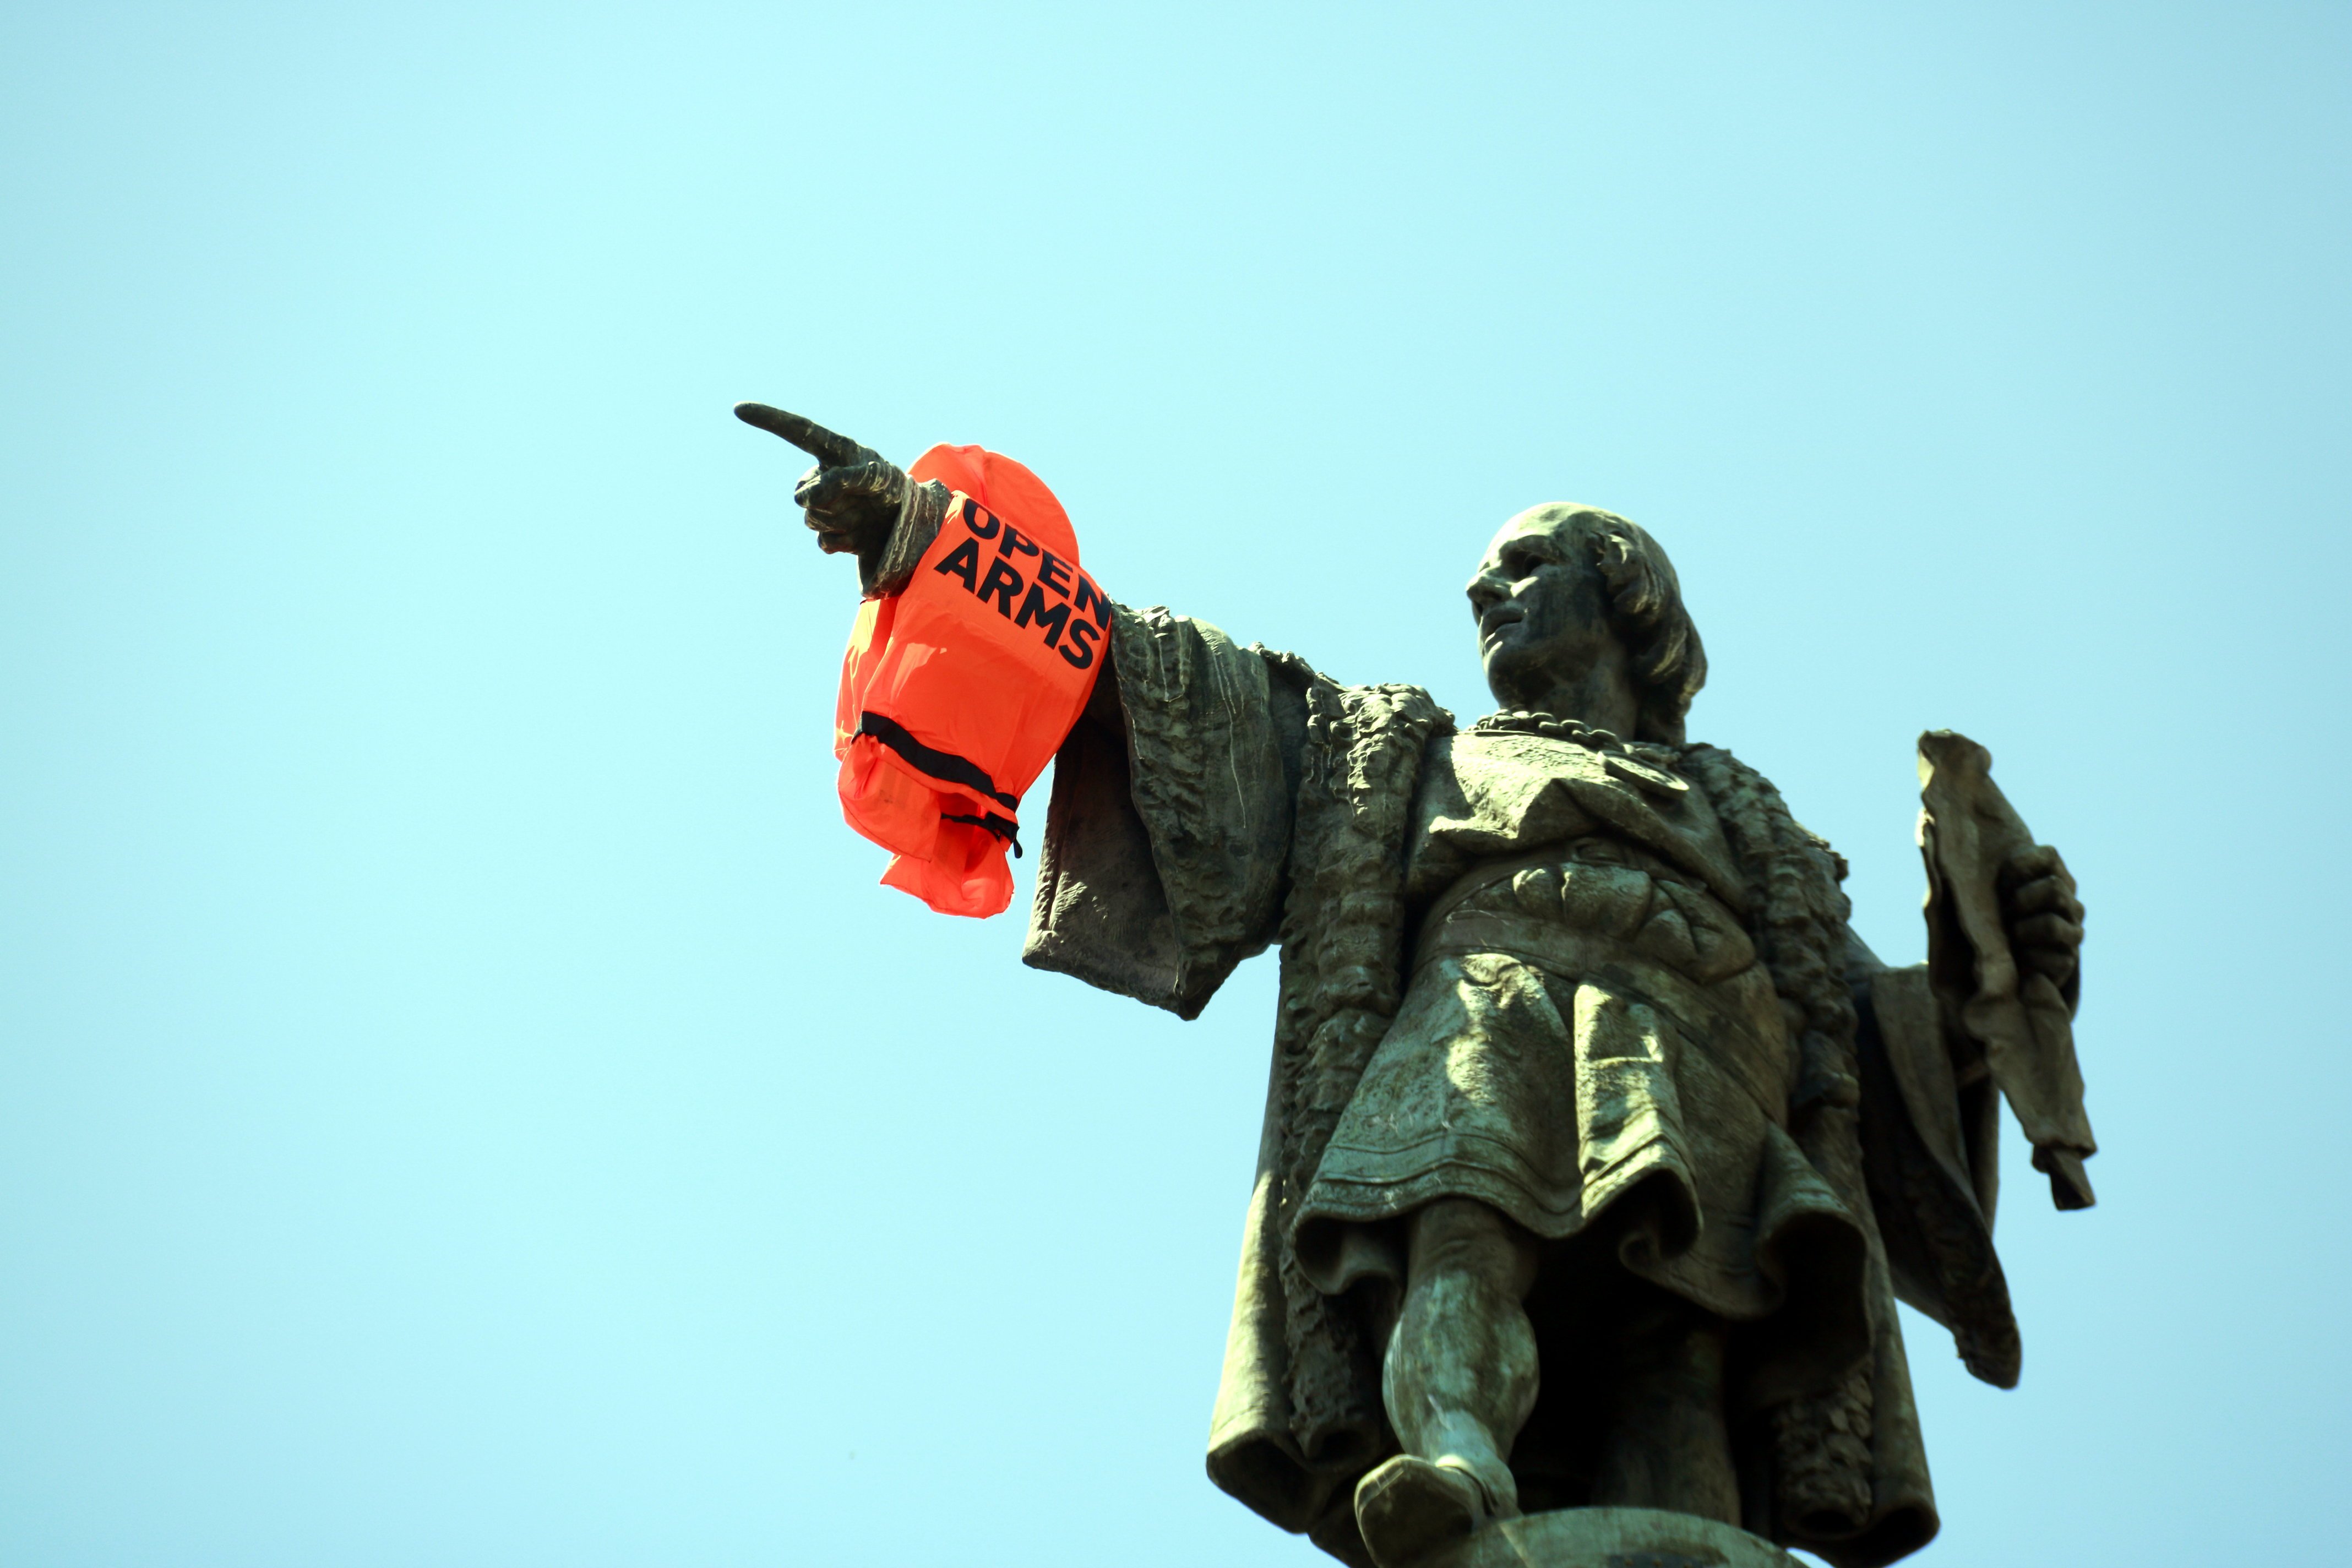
(2043, 916)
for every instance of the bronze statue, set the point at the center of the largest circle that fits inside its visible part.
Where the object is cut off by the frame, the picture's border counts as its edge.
(1597, 1147)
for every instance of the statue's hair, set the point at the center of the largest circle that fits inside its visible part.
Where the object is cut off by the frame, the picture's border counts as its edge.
(1646, 613)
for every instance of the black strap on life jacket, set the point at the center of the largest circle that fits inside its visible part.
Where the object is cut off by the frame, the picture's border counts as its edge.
(1004, 828)
(943, 765)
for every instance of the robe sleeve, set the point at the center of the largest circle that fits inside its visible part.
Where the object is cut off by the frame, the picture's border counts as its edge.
(1168, 834)
(1931, 1138)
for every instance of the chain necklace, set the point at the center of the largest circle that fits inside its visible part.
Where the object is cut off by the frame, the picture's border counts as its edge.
(1520, 720)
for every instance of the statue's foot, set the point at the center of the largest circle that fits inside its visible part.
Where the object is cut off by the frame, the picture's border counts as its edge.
(1411, 1507)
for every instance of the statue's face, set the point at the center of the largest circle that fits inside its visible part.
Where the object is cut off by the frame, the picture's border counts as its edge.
(1542, 609)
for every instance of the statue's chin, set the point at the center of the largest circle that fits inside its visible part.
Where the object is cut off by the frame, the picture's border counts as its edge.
(1508, 680)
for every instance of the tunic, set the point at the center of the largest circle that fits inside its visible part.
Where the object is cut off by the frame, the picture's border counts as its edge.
(1585, 1026)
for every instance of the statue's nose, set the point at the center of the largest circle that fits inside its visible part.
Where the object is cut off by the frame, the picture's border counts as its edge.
(1486, 589)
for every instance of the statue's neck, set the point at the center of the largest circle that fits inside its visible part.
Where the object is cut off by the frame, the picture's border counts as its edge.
(1600, 699)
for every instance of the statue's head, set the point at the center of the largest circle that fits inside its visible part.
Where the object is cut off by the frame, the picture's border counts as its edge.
(1580, 615)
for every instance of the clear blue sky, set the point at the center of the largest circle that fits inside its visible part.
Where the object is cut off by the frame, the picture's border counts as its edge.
(463, 1097)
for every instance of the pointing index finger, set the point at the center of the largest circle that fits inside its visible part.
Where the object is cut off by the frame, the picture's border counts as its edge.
(809, 435)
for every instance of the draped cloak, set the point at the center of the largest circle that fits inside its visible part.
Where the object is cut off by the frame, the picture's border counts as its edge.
(1518, 969)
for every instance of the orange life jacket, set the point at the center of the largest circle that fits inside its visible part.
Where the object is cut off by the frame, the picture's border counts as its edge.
(957, 690)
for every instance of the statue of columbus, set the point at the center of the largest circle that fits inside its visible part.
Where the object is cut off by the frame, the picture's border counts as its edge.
(1597, 1147)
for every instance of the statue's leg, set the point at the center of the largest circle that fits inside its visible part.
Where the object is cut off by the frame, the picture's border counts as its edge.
(1668, 1443)
(1459, 1382)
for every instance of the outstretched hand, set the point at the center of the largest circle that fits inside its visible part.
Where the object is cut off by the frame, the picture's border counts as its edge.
(852, 496)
